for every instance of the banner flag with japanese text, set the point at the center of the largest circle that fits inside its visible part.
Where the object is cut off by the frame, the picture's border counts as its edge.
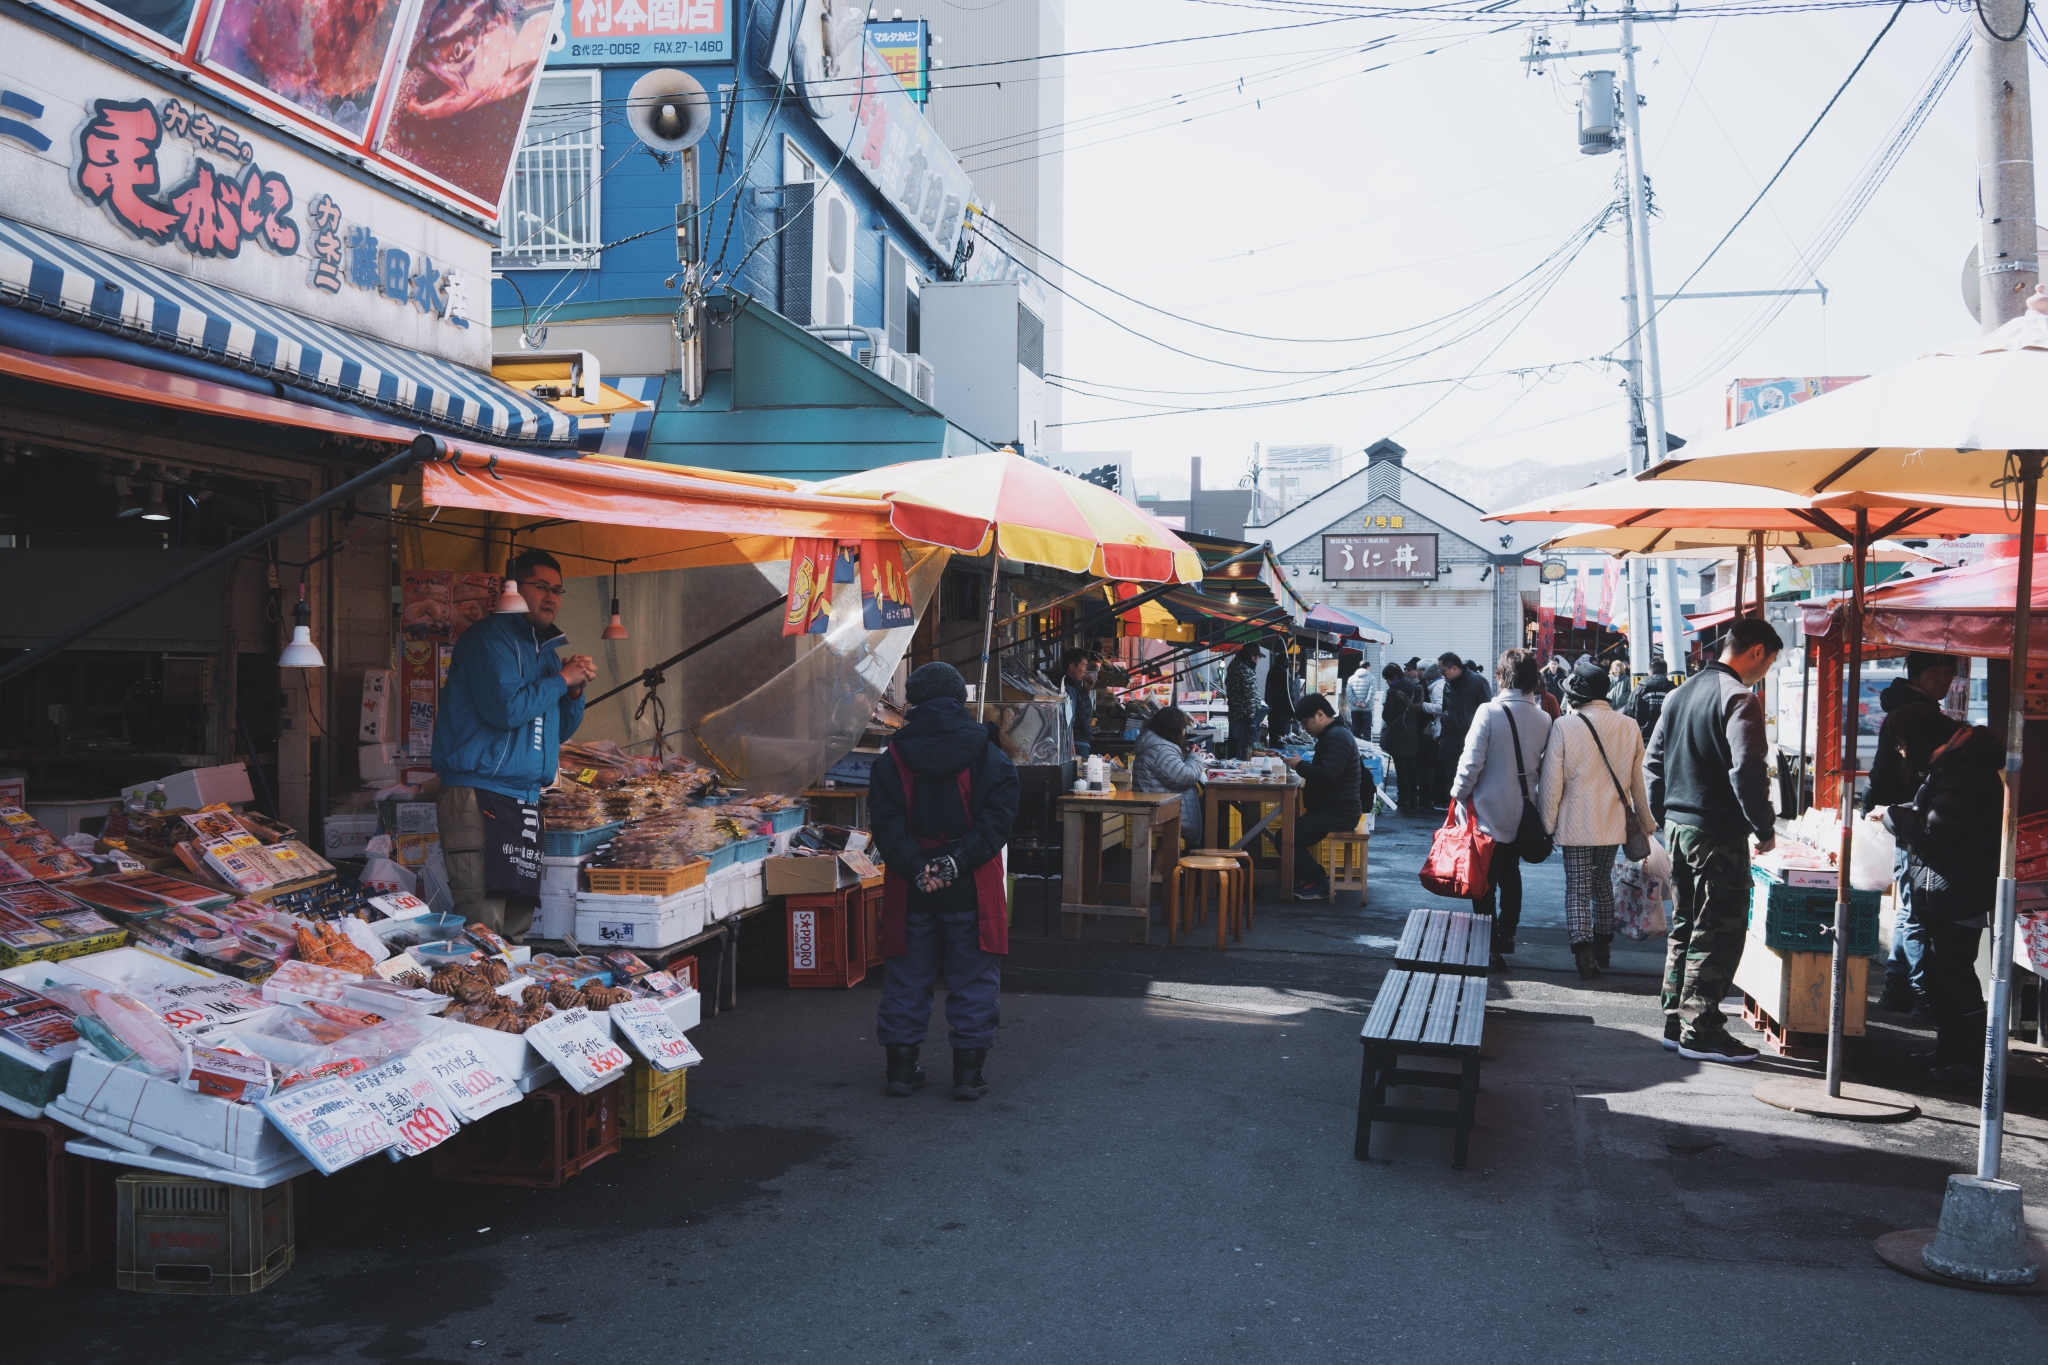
(884, 586)
(809, 609)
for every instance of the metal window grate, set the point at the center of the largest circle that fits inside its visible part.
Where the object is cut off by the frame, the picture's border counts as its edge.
(550, 209)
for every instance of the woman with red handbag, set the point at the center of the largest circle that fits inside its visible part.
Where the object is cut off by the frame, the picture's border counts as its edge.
(1500, 773)
(1591, 810)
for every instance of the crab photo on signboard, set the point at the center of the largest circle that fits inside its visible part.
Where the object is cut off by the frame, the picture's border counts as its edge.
(324, 57)
(462, 90)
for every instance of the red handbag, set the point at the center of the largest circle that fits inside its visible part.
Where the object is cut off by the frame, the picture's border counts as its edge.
(1460, 862)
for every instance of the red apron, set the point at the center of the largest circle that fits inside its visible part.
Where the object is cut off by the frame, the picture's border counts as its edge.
(992, 904)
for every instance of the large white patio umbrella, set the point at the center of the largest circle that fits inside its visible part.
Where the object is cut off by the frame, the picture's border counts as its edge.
(1965, 422)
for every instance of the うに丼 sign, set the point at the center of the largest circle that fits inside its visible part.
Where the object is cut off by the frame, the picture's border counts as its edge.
(1390, 558)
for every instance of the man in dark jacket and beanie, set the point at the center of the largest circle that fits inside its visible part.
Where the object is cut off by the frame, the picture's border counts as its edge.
(1398, 716)
(1283, 689)
(1464, 693)
(1077, 675)
(1330, 795)
(1705, 775)
(1647, 702)
(941, 803)
(1949, 834)
(1914, 727)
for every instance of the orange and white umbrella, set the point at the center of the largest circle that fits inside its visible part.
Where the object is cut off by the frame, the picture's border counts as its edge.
(1027, 512)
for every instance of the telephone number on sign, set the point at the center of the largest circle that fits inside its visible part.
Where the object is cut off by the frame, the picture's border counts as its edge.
(640, 46)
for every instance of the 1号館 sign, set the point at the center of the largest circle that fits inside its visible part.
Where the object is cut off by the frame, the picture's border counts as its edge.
(92, 152)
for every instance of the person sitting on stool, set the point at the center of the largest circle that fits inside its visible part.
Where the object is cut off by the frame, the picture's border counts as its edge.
(942, 800)
(1330, 790)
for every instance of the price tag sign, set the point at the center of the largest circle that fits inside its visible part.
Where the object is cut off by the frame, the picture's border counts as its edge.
(653, 1034)
(326, 1121)
(404, 1095)
(862, 866)
(581, 1049)
(466, 1079)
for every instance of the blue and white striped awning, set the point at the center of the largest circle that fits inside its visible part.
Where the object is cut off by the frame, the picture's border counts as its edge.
(63, 278)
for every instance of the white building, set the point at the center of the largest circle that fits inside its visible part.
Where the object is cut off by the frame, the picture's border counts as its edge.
(1419, 560)
(1294, 474)
(1008, 135)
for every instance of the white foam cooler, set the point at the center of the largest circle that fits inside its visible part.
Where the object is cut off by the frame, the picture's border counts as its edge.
(640, 921)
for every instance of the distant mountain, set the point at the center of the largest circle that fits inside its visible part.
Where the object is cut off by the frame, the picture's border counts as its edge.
(1510, 485)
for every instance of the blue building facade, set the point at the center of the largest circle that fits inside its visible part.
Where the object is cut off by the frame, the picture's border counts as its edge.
(810, 196)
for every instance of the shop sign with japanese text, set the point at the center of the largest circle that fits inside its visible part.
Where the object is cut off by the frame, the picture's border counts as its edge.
(97, 154)
(642, 33)
(823, 48)
(1402, 558)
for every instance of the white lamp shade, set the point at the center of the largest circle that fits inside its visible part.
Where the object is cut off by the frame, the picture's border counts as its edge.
(301, 652)
(616, 630)
(509, 601)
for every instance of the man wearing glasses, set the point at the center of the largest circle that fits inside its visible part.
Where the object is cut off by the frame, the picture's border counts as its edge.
(508, 704)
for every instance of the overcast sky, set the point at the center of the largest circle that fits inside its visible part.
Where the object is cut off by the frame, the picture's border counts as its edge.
(1330, 201)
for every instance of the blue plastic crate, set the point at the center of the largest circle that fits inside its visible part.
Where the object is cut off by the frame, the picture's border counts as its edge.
(723, 858)
(783, 821)
(752, 850)
(574, 843)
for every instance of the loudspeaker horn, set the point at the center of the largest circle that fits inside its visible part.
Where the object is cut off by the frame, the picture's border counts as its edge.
(668, 110)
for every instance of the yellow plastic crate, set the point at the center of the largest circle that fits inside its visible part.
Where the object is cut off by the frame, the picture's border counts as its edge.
(654, 1101)
(639, 881)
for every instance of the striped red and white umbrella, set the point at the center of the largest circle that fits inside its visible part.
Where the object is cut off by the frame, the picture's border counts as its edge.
(1029, 513)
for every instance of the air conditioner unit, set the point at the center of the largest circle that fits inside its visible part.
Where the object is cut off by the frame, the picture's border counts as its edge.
(817, 254)
(895, 367)
(923, 380)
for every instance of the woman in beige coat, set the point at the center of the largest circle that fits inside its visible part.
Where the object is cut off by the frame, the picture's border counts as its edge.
(1595, 755)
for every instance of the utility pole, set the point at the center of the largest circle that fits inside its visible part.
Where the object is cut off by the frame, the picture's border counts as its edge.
(2010, 250)
(1638, 461)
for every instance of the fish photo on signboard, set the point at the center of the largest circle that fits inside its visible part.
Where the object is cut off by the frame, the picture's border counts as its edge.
(322, 56)
(463, 87)
(166, 18)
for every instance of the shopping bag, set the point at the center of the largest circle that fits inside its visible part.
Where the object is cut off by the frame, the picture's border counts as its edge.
(1460, 858)
(1872, 857)
(1639, 896)
(1658, 864)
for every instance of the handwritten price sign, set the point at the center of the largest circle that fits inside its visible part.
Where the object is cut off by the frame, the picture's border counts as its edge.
(471, 1086)
(581, 1049)
(646, 1025)
(328, 1122)
(403, 1095)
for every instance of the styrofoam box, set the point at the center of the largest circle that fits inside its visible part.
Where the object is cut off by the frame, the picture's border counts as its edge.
(347, 836)
(641, 921)
(198, 787)
(127, 1103)
(560, 879)
(756, 884)
(728, 887)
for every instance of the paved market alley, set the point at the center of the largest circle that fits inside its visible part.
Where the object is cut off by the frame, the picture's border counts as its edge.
(1162, 1172)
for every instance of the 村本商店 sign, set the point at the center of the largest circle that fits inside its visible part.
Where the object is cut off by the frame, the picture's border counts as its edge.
(1376, 558)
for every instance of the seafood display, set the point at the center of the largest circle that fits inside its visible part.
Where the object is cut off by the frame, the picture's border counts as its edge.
(463, 89)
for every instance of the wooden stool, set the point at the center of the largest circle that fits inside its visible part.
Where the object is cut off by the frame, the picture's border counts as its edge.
(1244, 860)
(1344, 861)
(1226, 875)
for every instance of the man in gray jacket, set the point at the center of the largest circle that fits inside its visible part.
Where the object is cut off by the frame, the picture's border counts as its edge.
(1707, 783)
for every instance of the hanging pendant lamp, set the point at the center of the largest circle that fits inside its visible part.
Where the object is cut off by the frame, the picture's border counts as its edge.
(301, 652)
(617, 629)
(510, 603)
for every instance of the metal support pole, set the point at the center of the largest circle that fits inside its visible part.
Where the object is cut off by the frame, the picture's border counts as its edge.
(995, 567)
(1991, 1136)
(1838, 988)
(1760, 591)
(1639, 215)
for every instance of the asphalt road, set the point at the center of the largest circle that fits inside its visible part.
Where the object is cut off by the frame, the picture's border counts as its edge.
(1162, 1172)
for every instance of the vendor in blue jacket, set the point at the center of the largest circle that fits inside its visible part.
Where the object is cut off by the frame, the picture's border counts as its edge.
(508, 704)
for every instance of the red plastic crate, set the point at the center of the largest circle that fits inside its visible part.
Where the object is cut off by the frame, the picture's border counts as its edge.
(871, 924)
(826, 945)
(56, 1209)
(551, 1135)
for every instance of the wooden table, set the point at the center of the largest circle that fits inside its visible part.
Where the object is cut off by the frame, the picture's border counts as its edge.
(1249, 797)
(1081, 886)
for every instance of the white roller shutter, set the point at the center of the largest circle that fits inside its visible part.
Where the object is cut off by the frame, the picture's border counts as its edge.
(1426, 621)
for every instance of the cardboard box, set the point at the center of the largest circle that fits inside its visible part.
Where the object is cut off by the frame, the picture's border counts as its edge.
(378, 686)
(815, 876)
(198, 787)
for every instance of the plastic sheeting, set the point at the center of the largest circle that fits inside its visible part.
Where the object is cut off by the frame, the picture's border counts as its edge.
(1965, 611)
(782, 735)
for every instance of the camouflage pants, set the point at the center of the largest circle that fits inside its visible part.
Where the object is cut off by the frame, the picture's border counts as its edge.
(1710, 872)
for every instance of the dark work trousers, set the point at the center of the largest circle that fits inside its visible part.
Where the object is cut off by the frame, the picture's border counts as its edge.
(1243, 732)
(1507, 891)
(1309, 830)
(1449, 749)
(974, 981)
(1427, 793)
(1958, 1001)
(1710, 911)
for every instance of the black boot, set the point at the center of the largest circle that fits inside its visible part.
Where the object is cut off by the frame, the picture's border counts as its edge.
(1603, 948)
(904, 1075)
(1582, 954)
(968, 1082)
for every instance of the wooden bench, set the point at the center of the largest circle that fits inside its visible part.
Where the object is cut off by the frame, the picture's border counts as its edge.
(1445, 941)
(1425, 1014)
